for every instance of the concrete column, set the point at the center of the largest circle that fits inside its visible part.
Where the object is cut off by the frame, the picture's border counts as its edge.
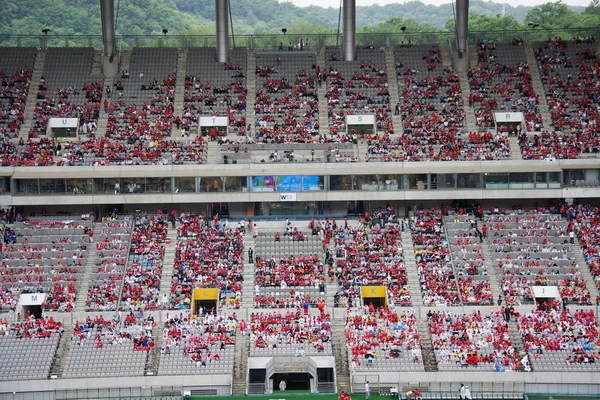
(349, 9)
(110, 63)
(461, 56)
(222, 21)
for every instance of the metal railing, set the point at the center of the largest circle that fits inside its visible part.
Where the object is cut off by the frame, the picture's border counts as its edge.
(274, 41)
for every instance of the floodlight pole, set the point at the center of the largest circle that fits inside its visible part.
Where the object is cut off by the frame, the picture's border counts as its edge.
(110, 60)
(222, 22)
(461, 53)
(349, 11)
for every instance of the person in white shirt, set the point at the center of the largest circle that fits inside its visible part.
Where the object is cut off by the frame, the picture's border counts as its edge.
(367, 391)
(282, 385)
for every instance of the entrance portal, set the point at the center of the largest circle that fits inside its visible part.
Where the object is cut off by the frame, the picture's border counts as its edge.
(297, 381)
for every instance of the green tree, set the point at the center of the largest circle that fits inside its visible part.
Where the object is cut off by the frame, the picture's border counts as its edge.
(593, 8)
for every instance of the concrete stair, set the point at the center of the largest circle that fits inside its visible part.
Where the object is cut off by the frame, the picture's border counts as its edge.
(248, 283)
(90, 266)
(251, 86)
(58, 363)
(538, 87)
(517, 341)
(240, 367)
(515, 148)
(97, 63)
(390, 64)
(490, 262)
(340, 352)
(470, 122)
(153, 358)
(124, 60)
(411, 270)
(180, 86)
(168, 261)
(427, 353)
(586, 274)
(103, 118)
(321, 93)
(36, 75)
(213, 153)
(446, 55)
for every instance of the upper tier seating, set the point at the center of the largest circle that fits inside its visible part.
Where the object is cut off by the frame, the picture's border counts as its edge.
(215, 89)
(357, 87)
(532, 247)
(568, 73)
(473, 341)
(207, 257)
(116, 347)
(16, 68)
(106, 280)
(44, 256)
(291, 334)
(501, 81)
(144, 269)
(27, 348)
(202, 345)
(383, 341)
(561, 341)
(68, 90)
(371, 256)
(437, 277)
(287, 108)
(468, 261)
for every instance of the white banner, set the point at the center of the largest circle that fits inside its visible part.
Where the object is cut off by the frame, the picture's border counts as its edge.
(508, 117)
(204, 122)
(545, 292)
(287, 196)
(59, 123)
(32, 299)
(360, 119)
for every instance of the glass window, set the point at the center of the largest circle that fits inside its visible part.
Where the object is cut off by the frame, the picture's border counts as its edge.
(341, 182)
(367, 182)
(185, 184)
(52, 186)
(390, 182)
(310, 183)
(28, 186)
(4, 186)
(417, 181)
(554, 180)
(133, 185)
(522, 180)
(79, 186)
(211, 184)
(468, 181)
(444, 181)
(264, 184)
(108, 185)
(288, 183)
(158, 185)
(541, 180)
(495, 181)
(236, 184)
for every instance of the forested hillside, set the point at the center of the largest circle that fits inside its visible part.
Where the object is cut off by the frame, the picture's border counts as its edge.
(139, 17)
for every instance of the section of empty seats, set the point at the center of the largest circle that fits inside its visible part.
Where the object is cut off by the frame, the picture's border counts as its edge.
(16, 68)
(276, 334)
(383, 341)
(561, 341)
(501, 82)
(370, 254)
(436, 275)
(467, 256)
(477, 340)
(587, 219)
(568, 74)
(358, 88)
(252, 151)
(27, 348)
(287, 105)
(106, 280)
(44, 256)
(432, 111)
(214, 89)
(532, 247)
(144, 268)
(68, 89)
(109, 347)
(207, 257)
(289, 270)
(198, 345)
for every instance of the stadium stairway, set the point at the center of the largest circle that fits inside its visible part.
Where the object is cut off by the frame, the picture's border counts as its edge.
(411, 270)
(515, 149)
(58, 363)
(153, 358)
(240, 367)
(428, 355)
(515, 338)
(340, 352)
(586, 274)
(537, 86)
(393, 89)
(251, 90)
(321, 92)
(248, 283)
(97, 63)
(124, 60)
(84, 283)
(36, 75)
(213, 156)
(168, 261)
(103, 118)
(180, 85)
(492, 270)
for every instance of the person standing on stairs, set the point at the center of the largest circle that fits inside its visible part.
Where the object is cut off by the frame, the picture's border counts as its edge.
(251, 255)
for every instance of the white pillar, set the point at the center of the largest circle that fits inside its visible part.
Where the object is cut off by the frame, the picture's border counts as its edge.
(222, 22)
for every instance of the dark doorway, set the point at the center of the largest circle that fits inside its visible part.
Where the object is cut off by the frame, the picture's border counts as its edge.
(208, 306)
(293, 381)
(35, 310)
(377, 301)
